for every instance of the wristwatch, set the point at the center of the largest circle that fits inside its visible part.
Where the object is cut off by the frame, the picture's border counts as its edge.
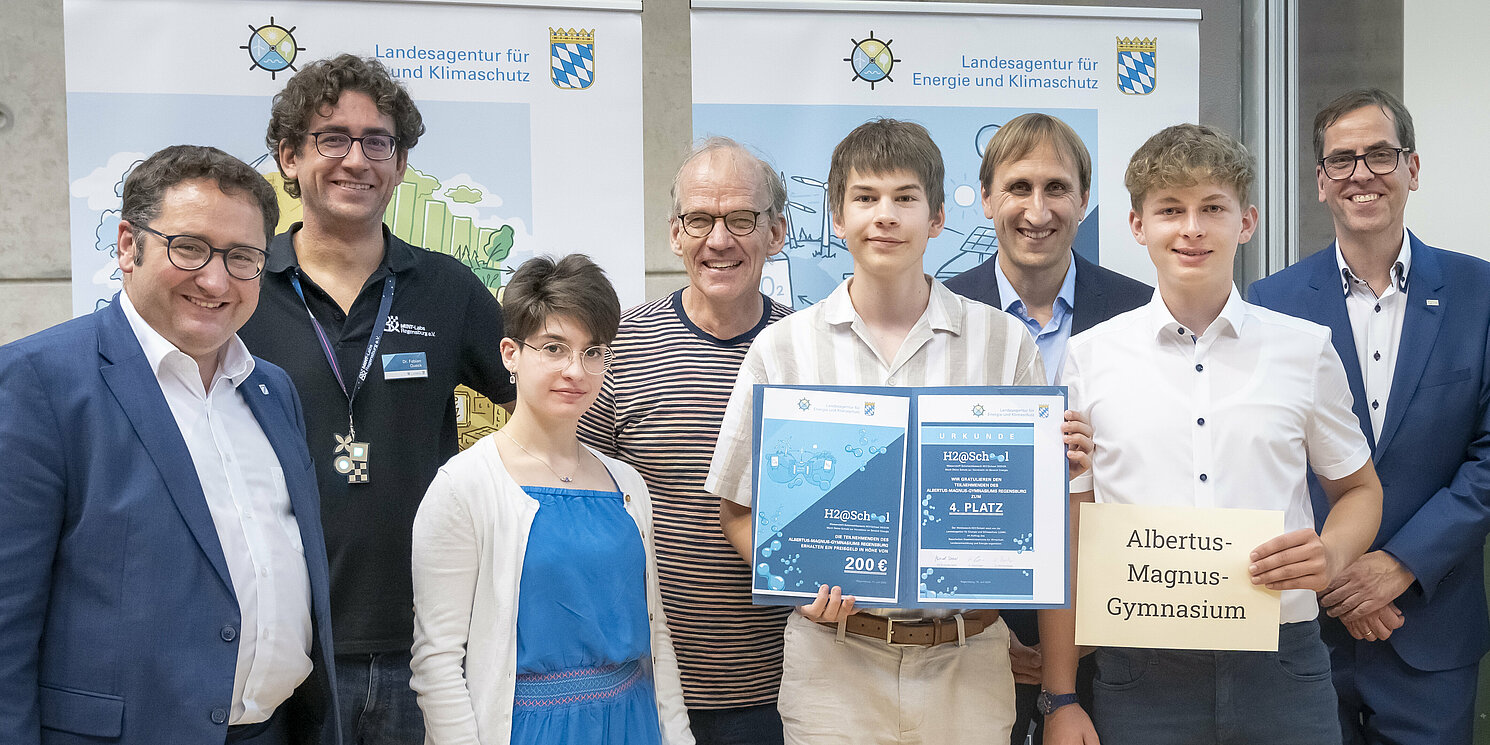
(1048, 702)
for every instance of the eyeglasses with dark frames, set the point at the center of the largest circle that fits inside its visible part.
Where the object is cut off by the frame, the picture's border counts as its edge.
(190, 253)
(1380, 161)
(595, 360)
(338, 144)
(737, 222)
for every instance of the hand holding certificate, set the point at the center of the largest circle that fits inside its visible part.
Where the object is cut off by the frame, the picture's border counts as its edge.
(910, 497)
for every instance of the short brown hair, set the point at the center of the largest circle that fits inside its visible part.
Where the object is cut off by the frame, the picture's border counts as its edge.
(146, 186)
(320, 85)
(1026, 132)
(1360, 98)
(880, 146)
(572, 286)
(1187, 154)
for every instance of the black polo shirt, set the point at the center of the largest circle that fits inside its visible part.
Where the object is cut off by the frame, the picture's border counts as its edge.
(439, 308)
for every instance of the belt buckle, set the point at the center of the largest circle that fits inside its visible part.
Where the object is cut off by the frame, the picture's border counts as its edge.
(890, 634)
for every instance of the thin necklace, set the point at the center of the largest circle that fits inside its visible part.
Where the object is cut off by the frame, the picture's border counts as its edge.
(550, 468)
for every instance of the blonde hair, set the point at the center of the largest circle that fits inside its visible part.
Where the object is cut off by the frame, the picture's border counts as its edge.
(1187, 154)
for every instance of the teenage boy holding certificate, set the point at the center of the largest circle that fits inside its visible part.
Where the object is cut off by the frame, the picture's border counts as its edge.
(849, 675)
(1199, 399)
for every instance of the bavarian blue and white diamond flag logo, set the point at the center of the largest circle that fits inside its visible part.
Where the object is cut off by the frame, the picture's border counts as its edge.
(572, 57)
(1136, 66)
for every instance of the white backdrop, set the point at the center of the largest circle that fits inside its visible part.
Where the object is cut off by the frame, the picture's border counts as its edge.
(792, 78)
(513, 164)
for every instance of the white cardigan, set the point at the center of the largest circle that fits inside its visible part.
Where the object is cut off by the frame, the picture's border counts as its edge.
(470, 536)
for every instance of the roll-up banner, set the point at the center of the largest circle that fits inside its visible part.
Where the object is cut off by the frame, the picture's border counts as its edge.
(533, 117)
(790, 79)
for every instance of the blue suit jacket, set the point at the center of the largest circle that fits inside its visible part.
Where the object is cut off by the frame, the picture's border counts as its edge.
(1100, 293)
(1433, 450)
(118, 621)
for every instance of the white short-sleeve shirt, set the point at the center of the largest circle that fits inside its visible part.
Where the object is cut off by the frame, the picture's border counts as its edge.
(1231, 418)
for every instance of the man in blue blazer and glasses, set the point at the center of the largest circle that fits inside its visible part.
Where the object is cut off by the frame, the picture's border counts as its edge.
(1411, 323)
(162, 571)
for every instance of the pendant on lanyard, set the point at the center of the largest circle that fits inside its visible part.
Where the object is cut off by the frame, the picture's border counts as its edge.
(351, 457)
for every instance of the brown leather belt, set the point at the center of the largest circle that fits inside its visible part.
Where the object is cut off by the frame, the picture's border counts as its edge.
(928, 632)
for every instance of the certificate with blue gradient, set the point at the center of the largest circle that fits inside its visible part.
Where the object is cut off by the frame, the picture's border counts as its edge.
(911, 497)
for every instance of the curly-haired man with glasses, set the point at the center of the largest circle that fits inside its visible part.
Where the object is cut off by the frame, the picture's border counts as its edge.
(376, 334)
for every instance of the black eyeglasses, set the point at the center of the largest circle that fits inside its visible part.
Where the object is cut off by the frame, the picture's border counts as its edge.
(738, 222)
(190, 253)
(557, 355)
(338, 144)
(1380, 161)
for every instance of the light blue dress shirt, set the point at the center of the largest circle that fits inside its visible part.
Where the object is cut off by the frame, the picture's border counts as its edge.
(1051, 339)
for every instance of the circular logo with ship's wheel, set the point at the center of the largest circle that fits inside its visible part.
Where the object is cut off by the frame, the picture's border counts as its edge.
(272, 47)
(872, 60)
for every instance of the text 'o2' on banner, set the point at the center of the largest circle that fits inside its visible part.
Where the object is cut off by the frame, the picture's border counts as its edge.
(791, 79)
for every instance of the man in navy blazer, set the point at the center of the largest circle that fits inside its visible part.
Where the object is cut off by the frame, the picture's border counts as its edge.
(1037, 176)
(162, 572)
(1411, 324)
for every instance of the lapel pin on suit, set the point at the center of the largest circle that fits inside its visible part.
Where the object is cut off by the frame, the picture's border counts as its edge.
(265, 389)
(1432, 302)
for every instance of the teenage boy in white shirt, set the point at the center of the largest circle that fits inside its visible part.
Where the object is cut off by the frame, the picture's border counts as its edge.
(1199, 399)
(849, 675)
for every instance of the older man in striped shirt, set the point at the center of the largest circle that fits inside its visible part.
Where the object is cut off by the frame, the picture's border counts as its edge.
(659, 410)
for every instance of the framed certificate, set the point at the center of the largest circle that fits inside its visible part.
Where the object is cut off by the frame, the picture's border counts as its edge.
(911, 497)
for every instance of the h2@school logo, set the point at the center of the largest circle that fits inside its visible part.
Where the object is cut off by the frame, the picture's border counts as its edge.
(872, 60)
(1137, 68)
(272, 47)
(572, 58)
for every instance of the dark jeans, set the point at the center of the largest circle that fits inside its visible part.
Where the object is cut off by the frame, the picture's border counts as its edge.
(1181, 697)
(749, 725)
(377, 705)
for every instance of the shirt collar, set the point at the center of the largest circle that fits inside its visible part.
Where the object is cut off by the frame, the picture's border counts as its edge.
(234, 363)
(1011, 300)
(397, 255)
(941, 310)
(1162, 322)
(1399, 270)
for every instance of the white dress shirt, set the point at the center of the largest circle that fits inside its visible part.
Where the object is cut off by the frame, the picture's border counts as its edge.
(1376, 325)
(1231, 418)
(245, 489)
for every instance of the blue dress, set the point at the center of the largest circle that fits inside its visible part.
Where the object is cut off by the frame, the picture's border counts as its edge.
(583, 640)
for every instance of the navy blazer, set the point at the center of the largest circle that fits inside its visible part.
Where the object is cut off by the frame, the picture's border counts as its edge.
(1433, 450)
(118, 621)
(1100, 293)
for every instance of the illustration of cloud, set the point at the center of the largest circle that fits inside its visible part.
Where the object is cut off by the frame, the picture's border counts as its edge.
(424, 183)
(102, 187)
(106, 236)
(464, 194)
(483, 211)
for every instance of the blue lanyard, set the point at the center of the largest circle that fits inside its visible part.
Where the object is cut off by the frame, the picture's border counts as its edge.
(372, 343)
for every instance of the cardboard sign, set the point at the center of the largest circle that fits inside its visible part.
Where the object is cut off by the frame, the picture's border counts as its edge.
(1174, 578)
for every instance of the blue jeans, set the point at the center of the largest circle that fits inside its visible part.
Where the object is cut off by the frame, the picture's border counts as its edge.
(747, 725)
(1181, 697)
(377, 705)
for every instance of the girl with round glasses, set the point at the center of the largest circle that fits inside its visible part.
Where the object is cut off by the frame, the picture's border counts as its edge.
(537, 614)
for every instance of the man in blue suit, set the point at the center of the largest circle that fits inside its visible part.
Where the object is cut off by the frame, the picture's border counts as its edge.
(1411, 324)
(1037, 176)
(162, 571)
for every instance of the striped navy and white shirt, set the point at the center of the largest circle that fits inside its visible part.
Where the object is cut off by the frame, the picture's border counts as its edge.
(659, 410)
(956, 341)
